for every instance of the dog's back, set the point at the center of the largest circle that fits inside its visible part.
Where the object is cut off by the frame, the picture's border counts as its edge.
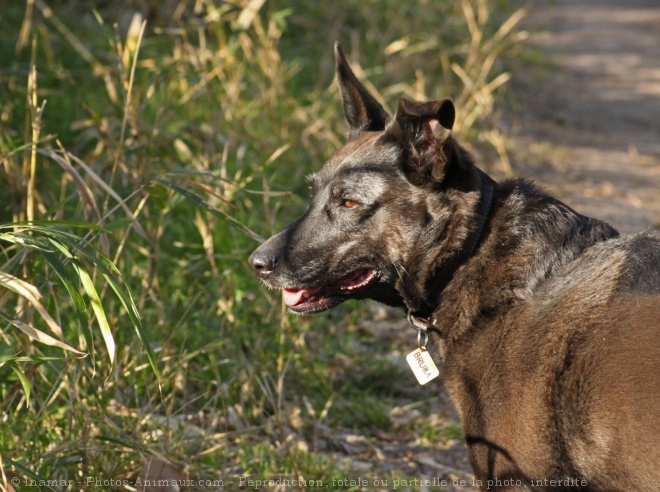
(605, 392)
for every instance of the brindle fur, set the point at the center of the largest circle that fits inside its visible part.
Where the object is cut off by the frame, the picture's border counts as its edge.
(549, 331)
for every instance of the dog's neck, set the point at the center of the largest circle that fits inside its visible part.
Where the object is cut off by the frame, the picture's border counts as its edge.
(510, 260)
(473, 239)
(419, 308)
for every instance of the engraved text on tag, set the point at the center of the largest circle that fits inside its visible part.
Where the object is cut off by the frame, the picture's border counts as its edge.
(422, 365)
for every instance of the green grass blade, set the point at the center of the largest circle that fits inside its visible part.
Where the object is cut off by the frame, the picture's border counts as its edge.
(124, 442)
(49, 225)
(36, 359)
(69, 284)
(25, 240)
(97, 307)
(129, 305)
(39, 335)
(27, 387)
(32, 294)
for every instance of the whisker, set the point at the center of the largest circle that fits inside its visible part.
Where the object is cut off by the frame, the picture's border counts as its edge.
(398, 265)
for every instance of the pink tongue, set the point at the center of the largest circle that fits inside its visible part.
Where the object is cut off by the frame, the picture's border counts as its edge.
(293, 297)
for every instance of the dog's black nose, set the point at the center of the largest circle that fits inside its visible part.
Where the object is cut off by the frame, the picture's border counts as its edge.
(263, 263)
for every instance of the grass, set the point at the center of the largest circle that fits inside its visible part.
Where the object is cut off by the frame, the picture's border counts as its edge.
(143, 154)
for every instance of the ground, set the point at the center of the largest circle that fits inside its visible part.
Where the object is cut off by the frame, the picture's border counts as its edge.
(587, 123)
(583, 120)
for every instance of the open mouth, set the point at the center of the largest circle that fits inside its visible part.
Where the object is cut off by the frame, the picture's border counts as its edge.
(327, 296)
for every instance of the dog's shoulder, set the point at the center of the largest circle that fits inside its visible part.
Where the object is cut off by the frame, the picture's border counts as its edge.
(641, 269)
(623, 265)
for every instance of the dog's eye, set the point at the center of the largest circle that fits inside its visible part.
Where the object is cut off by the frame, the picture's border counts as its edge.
(348, 203)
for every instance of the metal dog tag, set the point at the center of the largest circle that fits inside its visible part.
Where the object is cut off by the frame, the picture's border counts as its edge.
(422, 365)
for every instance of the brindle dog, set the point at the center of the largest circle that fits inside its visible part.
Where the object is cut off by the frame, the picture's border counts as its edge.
(547, 322)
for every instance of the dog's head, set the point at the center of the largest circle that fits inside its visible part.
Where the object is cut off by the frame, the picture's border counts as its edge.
(381, 208)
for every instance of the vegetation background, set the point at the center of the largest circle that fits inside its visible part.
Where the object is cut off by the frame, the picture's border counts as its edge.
(145, 148)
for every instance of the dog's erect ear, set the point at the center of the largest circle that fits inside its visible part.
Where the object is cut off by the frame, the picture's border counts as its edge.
(424, 128)
(363, 112)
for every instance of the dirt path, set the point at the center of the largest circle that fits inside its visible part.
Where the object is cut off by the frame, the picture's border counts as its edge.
(587, 122)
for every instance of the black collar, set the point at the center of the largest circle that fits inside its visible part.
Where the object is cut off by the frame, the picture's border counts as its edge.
(474, 239)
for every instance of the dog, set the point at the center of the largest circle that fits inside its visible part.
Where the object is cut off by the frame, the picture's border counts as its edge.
(547, 322)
